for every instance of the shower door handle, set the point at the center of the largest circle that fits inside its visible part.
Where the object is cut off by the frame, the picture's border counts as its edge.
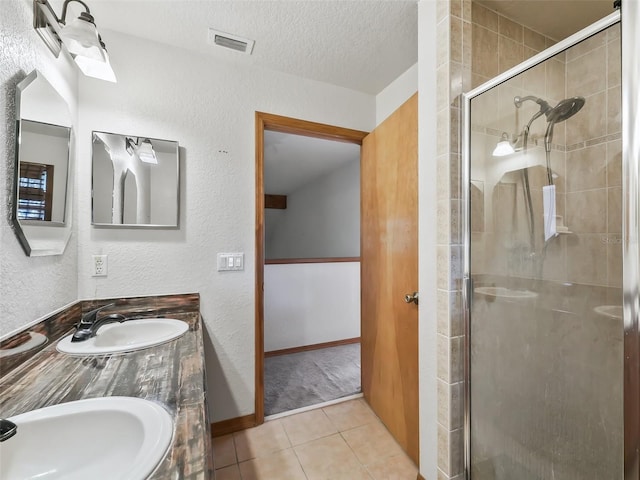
(411, 298)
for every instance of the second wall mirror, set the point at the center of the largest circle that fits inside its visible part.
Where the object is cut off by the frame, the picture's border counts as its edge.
(135, 181)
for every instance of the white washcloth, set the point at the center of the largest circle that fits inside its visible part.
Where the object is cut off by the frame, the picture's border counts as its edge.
(549, 204)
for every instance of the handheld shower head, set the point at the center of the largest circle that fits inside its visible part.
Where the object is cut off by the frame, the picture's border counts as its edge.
(565, 109)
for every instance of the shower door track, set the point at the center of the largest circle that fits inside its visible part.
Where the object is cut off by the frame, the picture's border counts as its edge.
(631, 220)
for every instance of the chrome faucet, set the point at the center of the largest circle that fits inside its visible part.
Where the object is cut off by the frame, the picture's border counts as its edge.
(7, 429)
(89, 324)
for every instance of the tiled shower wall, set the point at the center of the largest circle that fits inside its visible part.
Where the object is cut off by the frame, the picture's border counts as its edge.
(594, 163)
(497, 182)
(476, 44)
(453, 77)
(585, 158)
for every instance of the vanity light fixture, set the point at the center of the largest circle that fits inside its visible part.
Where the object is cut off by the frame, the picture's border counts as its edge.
(141, 149)
(80, 37)
(504, 147)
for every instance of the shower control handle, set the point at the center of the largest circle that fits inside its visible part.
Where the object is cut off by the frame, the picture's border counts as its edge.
(411, 298)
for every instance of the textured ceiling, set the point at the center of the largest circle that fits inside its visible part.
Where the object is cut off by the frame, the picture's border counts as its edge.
(554, 18)
(291, 161)
(362, 45)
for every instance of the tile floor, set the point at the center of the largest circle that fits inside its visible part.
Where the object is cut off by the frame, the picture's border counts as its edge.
(345, 441)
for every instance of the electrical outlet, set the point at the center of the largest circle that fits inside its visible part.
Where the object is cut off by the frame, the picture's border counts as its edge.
(99, 266)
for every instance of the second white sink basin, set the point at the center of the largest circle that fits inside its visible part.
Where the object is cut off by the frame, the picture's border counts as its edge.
(109, 438)
(611, 311)
(505, 292)
(126, 337)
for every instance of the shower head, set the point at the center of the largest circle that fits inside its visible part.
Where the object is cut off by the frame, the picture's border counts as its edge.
(565, 109)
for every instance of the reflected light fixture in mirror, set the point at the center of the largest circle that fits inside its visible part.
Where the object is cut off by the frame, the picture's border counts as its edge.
(145, 152)
(80, 37)
(143, 149)
(504, 147)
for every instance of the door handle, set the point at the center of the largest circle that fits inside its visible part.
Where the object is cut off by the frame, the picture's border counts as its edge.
(411, 298)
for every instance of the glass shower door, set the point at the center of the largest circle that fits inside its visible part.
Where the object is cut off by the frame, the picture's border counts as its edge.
(546, 318)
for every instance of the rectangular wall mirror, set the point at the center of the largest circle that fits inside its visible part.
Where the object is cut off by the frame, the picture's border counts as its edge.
(135, 181)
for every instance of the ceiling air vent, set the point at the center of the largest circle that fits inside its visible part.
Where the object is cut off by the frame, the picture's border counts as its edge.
(227, 40)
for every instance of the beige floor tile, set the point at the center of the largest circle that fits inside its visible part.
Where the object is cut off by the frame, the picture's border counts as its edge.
(359, 473)
(224, 451)
(351, 414)
(371, 442)
(260, 441)
(307, 426)
(326, 458)
(282, 465)
(231, 472)
(398, 467)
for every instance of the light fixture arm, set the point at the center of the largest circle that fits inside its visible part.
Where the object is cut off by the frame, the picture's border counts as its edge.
(82, 40)
(48, 25)
(87, 12)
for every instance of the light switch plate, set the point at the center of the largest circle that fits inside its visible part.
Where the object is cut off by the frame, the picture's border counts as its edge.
(228, 262)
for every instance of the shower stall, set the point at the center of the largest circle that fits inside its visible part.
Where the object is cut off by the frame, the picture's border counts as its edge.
(551, 266)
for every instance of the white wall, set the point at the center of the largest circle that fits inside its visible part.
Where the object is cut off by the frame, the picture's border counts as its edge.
(209, 107)
(310, 303)
(322, 218)
(427, 228)
(53, 278)
(396, 93)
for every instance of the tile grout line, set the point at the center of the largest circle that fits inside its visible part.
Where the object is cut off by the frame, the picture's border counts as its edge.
(293, 447)
(300, 463)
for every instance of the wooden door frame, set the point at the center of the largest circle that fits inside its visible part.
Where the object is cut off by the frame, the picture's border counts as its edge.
(277, 123)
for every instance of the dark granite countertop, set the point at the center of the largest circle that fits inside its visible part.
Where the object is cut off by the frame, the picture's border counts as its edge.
(171, 374)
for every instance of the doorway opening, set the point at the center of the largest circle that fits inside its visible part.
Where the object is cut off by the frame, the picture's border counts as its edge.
(307, 325)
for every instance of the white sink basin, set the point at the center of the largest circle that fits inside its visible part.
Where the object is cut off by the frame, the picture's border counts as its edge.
(126, 337)
(109, 438)
(611, 311)
(35, 340)
(505, 292)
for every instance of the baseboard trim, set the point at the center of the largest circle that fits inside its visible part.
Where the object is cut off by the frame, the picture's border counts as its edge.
(316, 346)
(293, 261)
(225, 427)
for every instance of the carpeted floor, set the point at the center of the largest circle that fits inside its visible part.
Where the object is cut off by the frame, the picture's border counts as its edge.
(301, 379)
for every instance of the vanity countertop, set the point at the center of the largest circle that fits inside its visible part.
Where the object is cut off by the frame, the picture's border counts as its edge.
(171, 374)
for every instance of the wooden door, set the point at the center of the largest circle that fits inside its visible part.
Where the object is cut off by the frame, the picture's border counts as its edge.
(389, 262)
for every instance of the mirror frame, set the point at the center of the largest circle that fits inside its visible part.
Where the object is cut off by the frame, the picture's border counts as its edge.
(175, 226)
(17, 223)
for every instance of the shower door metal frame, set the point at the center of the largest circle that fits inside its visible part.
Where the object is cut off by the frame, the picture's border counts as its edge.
(631, 215)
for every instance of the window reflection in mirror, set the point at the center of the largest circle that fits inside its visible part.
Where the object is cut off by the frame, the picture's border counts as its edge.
(43, 170)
